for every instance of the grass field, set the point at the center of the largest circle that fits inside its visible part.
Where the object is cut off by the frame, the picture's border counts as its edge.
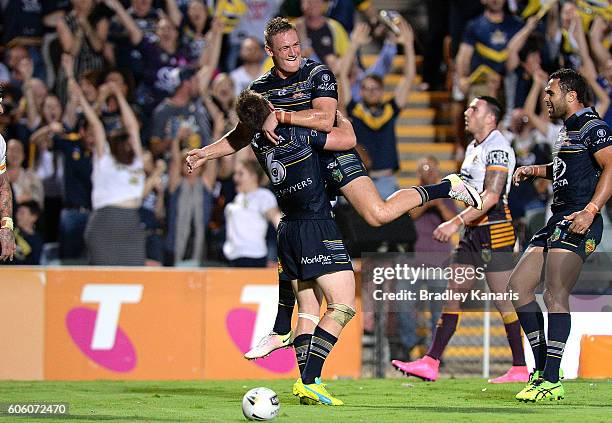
(369, 400)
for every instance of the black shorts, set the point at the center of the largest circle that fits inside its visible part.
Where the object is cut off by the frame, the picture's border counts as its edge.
(488, 246)
(308, 249)
(556, 234)
(340, 168)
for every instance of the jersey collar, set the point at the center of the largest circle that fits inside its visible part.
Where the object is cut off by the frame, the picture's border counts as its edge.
(570, 121)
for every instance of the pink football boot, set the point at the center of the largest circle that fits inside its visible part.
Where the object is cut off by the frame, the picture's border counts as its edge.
(515, 374)
(425, 368)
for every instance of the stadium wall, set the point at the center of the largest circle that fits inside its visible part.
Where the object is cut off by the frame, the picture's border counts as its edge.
(142, 324)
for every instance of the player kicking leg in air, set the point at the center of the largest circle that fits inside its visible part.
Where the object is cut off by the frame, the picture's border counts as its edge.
(310, 249)
(487, 242)
(344, 172)
(582, 184)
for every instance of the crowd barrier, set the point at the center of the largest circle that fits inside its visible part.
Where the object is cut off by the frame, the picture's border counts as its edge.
(89, 323)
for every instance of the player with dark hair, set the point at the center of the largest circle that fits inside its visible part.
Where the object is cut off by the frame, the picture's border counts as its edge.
(487, 242)
(311, 253)
(7, 237)
(581, 173)
(304, 93)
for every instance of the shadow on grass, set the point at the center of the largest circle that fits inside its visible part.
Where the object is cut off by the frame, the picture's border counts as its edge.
(201, 392)
(85, 417)
(459, 410)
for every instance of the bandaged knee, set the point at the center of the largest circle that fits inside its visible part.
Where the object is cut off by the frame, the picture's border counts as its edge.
(314, 319)
(341, 313)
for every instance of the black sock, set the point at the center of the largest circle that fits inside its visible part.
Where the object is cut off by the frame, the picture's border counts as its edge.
(432, 192)
(320, 346)
(286, 301)
(532, 321)
(559, 326)
(301, 344)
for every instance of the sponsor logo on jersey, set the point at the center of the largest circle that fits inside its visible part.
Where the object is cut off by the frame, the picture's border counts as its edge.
(295, 188)
(498, 157)
(321, 259)
(327, 86)
(337, 175)
(556, 235)
(589, 246)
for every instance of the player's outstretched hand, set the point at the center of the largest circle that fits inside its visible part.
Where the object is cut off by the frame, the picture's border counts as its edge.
(581, 221)
(7, 244)
(445, 230)
(269, 127)
(522, 173)
(196, 158)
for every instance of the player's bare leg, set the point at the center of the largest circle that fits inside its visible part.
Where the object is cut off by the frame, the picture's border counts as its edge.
(427, 368)
(498, 283)
(524, 281)
(561, 273)
(309, 309)
(364, 197)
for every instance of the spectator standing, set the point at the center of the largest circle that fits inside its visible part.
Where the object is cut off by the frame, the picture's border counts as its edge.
(114, 235)
(252, 55)
(182, 109)
(322, 36)
(26, 185)
(374, 119)
(481, 60)
(152, 211)
(82, 35)
(193, 28)
(189, 206)
(122, 53)
(251, 25)
(247, 217)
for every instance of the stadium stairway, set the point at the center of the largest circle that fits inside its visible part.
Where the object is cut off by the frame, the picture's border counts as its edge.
(424, 128)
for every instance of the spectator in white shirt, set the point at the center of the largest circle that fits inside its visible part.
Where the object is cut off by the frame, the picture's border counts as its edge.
(247, 217)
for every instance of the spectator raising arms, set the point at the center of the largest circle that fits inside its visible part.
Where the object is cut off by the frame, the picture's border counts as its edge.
(189, 205)
(117, 189)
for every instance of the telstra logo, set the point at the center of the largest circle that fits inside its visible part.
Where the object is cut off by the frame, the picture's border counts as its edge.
(97, 334)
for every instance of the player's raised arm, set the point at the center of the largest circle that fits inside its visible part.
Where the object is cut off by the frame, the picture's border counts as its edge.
(235, 140)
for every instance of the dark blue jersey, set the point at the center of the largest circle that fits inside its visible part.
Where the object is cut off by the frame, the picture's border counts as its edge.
(575, 170)
(490, 41)
(295, 93)
(312, 80)
(294, 171)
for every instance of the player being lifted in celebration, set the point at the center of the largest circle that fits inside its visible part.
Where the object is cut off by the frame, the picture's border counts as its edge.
(307, 231)
(487, 242)
(7, 238)
(582, 184)
(305, 94)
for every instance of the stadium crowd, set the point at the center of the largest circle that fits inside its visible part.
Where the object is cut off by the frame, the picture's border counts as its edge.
(103, 99)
